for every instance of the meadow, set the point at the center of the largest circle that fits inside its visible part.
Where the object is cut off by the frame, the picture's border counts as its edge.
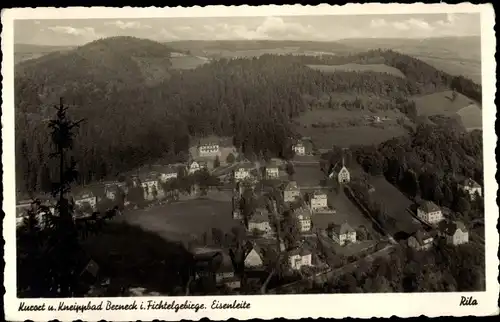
(442, 104)
(308, 175)
(180, 220)
(379, 68)
(187, 62)
(324, 138)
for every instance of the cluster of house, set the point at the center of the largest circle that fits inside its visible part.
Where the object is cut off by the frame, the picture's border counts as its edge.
(218, 266)
(453, 232)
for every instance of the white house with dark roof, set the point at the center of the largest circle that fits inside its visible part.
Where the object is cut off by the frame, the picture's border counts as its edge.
(272, 170)
(429, 212)
(471, 187)
(166, 172)
(243, 172)
(299, 148)
(196, 165)
(302, 147)
(208, 146)
(85, 196)
(342, 234)
(291, 192)
(303, 215)
(299, 257)
(260, 222)
(421, 240)
(318, 201)
(455, 233)
(151, 186)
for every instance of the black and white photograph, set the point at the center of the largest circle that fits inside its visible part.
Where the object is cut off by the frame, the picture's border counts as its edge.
(227, 158)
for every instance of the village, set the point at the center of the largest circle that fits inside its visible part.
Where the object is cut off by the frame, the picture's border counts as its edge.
(298, 220)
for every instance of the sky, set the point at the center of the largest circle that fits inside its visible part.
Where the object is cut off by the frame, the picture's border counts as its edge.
(314, 28)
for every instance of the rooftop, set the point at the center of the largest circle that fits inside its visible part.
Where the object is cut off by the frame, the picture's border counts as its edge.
(450, 227)
(422, 236)
(301, 250)
(429, 206)
(292, 185)
(342, 229)
(471, 183)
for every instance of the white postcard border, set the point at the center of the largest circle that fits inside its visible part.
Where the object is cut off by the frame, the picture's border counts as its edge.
(268, 306)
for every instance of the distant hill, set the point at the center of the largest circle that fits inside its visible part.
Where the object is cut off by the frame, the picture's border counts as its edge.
(24, 52)
(454, 55)
(255, 48)
(96, 68)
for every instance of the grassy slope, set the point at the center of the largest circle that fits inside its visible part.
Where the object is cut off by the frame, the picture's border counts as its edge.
(441, 104)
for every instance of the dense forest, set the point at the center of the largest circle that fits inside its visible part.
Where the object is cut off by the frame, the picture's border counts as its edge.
(443, 269)
(138, 111)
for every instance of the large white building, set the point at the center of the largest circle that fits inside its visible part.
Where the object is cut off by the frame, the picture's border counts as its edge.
(430, 213)
(208, 147)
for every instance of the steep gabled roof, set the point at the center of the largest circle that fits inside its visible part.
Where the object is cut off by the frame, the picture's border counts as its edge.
(318, 193)
(429, 206)
(292, 185)
(470, 183)
(260, 215)
(342, 229)
(208, 140)
(304, 212)
(421, 236)
(165, 168)
(449, 227)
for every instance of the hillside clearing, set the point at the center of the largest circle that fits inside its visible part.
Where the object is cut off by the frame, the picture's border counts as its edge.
(472, 117)
(378, 68)
(187, 62)
(325, 138)
(180, 220)
(442, 104)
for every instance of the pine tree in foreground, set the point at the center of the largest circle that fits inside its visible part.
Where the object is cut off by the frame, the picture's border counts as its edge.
(50, 258)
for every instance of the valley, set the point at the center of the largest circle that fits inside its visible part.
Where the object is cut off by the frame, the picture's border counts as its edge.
(276, 149)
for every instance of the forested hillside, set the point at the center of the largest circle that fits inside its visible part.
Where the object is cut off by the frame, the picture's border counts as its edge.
(135, 113)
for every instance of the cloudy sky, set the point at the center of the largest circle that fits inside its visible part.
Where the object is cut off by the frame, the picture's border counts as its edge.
(314, 28)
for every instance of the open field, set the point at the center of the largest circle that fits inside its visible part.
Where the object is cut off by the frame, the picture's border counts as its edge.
(396, 205)
(308, 175)
(352, 67)
(180, 220)
(324, 138)
(187, 62)
(442, 104)
(472, 117)
(342, 115)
